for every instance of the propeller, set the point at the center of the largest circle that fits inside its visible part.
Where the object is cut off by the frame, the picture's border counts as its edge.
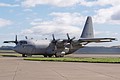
(16, 41)
(55, 41)
(70, 40)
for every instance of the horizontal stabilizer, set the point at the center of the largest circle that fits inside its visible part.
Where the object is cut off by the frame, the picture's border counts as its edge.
(96, 40)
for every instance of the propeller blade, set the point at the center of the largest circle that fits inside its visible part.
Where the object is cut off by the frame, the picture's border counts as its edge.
(68, 36)
(53, 36)
(54, 40)
(16, 40)
(70, 39)
(73, 38)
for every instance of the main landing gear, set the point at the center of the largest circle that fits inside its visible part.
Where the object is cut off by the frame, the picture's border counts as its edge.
(47, 55)
(56, 55)
(23, 55)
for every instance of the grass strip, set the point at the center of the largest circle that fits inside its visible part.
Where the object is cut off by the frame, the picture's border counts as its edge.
(10, 55)
(90, 60)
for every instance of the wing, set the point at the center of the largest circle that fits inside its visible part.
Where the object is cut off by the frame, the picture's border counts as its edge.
(9, 42)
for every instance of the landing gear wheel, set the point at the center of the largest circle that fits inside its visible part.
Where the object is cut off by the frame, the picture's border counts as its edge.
(45, 55)
(23, 55)
(29, 55)
(50, 55)
(59, 55)
(56, 55)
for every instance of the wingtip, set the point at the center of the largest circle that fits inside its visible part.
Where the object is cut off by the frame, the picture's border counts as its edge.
(115, 39)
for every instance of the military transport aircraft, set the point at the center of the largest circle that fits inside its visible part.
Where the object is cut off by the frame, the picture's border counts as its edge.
(57, 47)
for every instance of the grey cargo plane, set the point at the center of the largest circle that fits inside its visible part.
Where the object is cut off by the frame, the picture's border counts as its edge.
(57, 47)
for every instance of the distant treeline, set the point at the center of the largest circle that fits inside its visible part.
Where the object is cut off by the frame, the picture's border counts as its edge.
(6, 48)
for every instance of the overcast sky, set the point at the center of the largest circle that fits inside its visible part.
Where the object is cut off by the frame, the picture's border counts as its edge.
(39, 19)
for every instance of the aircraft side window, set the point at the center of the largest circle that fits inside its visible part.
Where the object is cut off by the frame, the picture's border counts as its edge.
(23, 42)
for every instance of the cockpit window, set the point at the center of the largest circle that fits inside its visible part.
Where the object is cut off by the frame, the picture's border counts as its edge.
(23, 42)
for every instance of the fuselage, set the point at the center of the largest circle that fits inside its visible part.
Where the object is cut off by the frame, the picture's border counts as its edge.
(41, 47)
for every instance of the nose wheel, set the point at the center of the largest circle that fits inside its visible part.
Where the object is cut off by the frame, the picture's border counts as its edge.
(59, 55)
(23, 55)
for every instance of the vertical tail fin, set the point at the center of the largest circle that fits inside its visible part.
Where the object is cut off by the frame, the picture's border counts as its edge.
(88, 29)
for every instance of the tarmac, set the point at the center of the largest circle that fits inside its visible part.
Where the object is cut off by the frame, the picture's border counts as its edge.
(15, 68)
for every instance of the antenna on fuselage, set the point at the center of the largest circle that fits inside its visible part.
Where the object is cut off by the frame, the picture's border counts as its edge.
(26, 37)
